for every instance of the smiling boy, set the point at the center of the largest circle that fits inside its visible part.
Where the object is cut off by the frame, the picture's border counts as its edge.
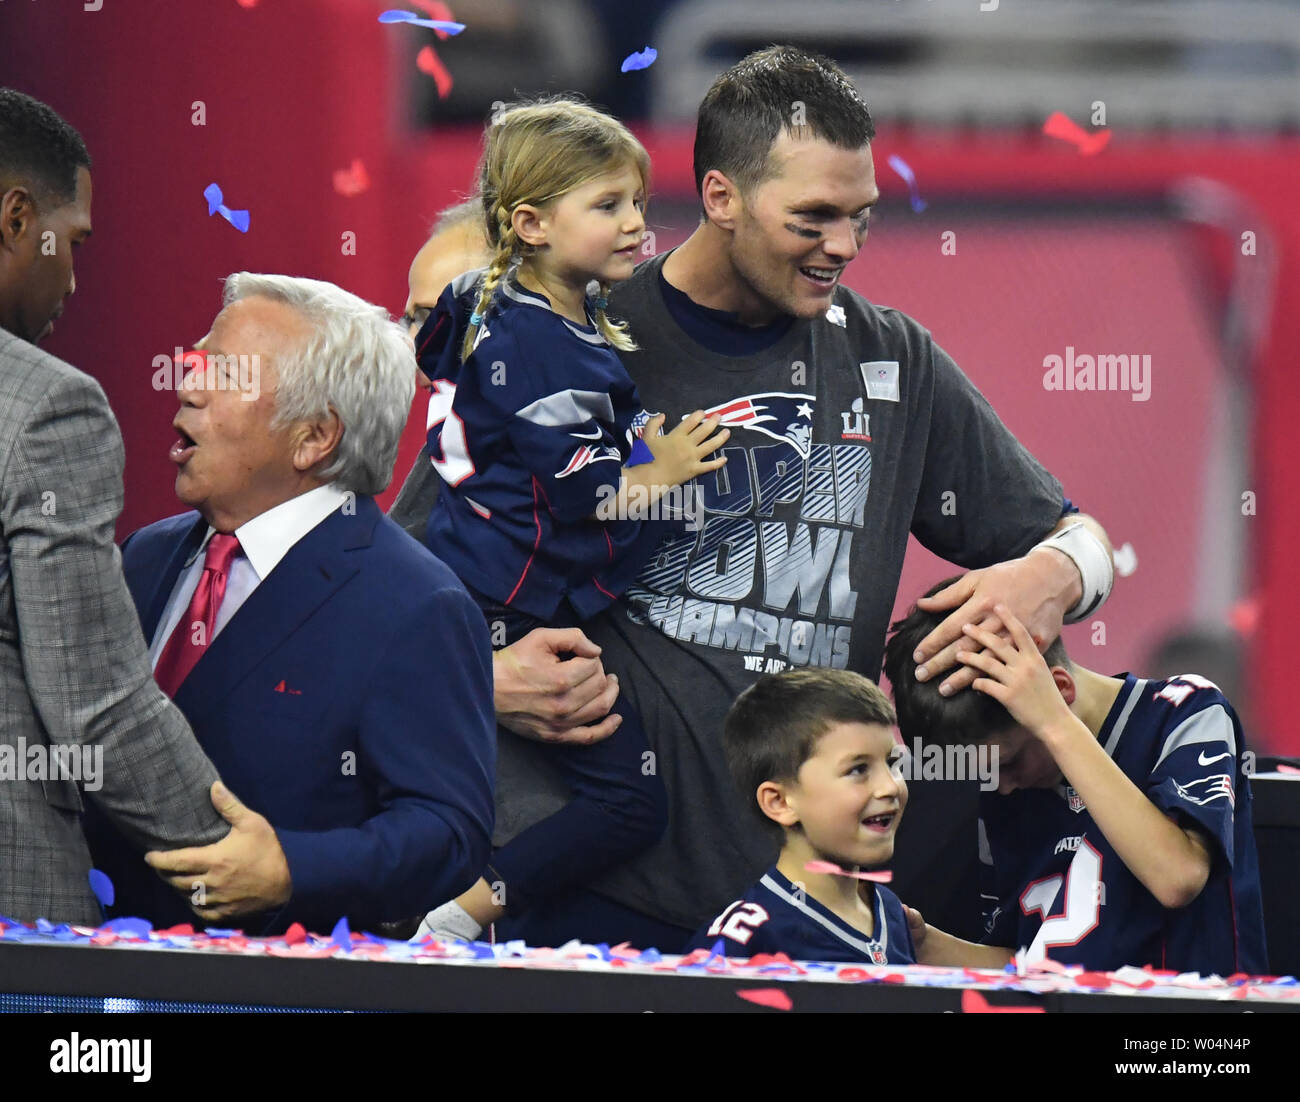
(815, 752)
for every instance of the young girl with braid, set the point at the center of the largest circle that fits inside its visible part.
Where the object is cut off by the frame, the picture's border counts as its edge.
(536, 429)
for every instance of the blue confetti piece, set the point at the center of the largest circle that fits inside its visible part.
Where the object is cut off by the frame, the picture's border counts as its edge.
(396, 15)
(650, 956)
(102, 886)
(482, 950)
(219, 934)
(139, 927)
(342, 934)
(909, 177)
(643, 60)
(216, 205)
(640, 453)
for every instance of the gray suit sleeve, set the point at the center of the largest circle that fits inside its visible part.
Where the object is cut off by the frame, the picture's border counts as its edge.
(84, 658)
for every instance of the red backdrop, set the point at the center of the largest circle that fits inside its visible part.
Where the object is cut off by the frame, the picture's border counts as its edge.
(293, 90)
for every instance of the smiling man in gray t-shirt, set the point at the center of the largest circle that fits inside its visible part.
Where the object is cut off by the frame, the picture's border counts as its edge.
(849, 427)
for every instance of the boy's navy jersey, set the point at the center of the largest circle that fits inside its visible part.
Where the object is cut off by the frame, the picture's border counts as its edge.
(1055, 884)
(776, 917)
(530, 435)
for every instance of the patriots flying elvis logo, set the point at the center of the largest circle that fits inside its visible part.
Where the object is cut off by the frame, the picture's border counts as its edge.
(781, 416)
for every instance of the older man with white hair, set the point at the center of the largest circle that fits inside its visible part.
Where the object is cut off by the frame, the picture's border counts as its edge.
(335, 671)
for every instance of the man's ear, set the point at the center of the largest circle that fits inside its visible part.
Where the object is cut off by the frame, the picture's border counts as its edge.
(17, 216)
(317, 441)
(721, 199)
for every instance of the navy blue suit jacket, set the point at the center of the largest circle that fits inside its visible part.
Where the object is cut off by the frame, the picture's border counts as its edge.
(349, 700)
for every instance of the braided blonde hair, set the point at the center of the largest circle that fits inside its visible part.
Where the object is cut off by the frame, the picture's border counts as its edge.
(535, 152)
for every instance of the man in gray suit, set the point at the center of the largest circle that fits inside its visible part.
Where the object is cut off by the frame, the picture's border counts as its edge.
(79, 708)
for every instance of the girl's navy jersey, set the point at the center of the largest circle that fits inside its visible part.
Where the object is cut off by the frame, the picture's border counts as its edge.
(1054, 883)
(530, 435)
(775, 916)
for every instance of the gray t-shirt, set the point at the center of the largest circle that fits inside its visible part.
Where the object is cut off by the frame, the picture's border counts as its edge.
(851, 430)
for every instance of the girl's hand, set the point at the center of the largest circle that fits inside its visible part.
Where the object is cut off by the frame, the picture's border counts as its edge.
(683, 453)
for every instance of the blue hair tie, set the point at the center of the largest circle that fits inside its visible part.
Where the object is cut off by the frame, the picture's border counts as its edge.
(475, 318)
(602, 302)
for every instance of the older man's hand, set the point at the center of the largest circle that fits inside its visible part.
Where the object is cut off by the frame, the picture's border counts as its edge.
(244, 873)
(541, 696)
(1028, 586)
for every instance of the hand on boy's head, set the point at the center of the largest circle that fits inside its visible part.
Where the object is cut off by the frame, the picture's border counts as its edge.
(1024, 585)
(1014, 673)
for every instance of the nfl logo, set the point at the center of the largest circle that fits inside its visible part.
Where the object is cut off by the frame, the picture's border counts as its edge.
(1074, 800)
(878, 956)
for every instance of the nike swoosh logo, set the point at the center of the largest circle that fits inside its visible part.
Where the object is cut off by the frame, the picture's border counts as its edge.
(1203, 760)
(595, 434)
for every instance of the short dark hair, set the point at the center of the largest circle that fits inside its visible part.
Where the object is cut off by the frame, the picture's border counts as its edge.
(773, 726)
(38, 149)
(747, 107)
(966, 716)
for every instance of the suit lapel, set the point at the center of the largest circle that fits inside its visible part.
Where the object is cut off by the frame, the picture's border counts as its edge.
(314, 569)
(162, 577)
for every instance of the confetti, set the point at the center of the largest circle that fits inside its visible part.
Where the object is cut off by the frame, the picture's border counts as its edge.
(438, 11)
(643, 60)
(427, 61)
(1244, 617)
(1126, 561)
(342, 935)
(396, 15)
(217, 205)
(909, 177)
(767, 996)
(102, 886)
(352, 181)
(834, 869)
(972, 1002)
(1060, 125)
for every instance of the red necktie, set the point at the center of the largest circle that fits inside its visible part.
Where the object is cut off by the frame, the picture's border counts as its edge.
(187, 644)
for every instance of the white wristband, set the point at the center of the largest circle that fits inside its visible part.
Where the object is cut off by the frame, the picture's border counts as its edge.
(1088, 553)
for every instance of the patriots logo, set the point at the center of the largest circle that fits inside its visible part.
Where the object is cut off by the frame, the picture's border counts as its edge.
(1207, 790)
(775, 414)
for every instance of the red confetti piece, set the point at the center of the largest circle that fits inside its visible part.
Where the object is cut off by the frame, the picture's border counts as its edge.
(763, 959)
(1282, 767)
(853, 975)
(350, 182)
(295, 934)
(1243, 617)
(767, 996)
(1092, 979)
(972, 1002)
(1060, 125)
(183, 930)
(427, 61)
